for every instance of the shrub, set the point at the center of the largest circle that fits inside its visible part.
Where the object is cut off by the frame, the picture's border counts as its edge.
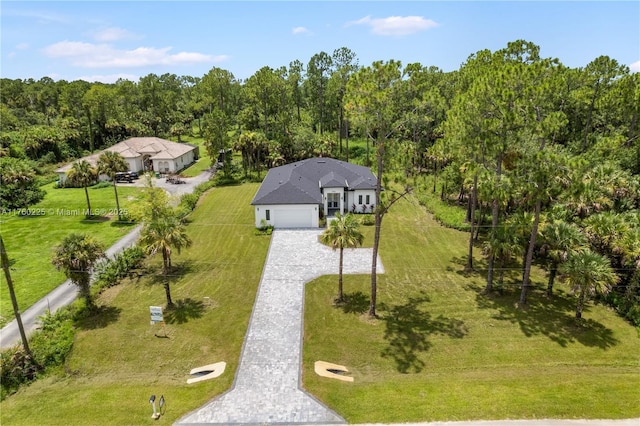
(53, 343)
(103, 184)
(264, 228)
(111, 271)
(188, 202)
(447, 215)
(368, 220)
(16, 368)
(50, 346)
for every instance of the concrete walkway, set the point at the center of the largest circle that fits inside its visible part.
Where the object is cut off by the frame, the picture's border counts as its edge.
(267, 386)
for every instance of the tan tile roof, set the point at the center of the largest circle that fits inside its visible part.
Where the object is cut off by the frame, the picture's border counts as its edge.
(159, 149)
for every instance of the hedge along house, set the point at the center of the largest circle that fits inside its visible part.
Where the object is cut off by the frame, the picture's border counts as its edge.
(145, 154)
(295, 195)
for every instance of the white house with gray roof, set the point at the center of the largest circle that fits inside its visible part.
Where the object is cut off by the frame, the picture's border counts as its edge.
(293, 195)
(145, 154)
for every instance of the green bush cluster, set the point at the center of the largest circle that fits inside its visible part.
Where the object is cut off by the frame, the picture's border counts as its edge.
(188, 202)
(368, 220)
(447, 215)
(264, 228)
(103, 184)
(110, 272)
(627, 301)
(50, 346)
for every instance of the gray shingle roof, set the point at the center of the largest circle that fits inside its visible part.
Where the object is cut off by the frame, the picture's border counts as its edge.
(301, 182)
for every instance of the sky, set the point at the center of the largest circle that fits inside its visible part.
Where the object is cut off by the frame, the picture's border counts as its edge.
(106, 40)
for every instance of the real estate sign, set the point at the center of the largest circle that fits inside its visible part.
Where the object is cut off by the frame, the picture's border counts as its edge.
(156, 314)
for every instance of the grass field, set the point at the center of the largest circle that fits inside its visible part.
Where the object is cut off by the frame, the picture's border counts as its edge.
(30, 239)
(117, 360)
(441, 350)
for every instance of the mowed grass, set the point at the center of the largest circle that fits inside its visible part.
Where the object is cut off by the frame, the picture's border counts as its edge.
(203, 163)
(30, 239)
(442, 350)
(118, 360)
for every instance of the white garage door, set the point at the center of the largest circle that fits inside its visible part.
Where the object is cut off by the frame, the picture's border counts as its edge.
(299, 218)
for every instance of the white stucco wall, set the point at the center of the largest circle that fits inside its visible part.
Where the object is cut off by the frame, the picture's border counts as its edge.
(135, 164)
(174, 165)
(159, 166)
(288, 215)
(353, 197)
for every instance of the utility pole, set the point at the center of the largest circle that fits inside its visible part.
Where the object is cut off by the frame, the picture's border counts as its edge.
(5, 266)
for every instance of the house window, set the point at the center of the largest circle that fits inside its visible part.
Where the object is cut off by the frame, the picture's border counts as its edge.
(368, 199)
(333, 200)
(359, 199)
(267, 214)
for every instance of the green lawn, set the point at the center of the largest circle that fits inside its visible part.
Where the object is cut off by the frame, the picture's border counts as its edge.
(441, 350)
(30, 240)
(118, 361)
(202, 164)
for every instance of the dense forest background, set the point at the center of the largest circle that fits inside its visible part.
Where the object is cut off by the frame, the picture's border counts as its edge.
(543, 159)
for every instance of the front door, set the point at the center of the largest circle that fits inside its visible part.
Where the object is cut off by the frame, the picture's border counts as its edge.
(333, 203)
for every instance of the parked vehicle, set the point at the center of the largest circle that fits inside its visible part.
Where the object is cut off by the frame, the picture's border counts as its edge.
(126, 176)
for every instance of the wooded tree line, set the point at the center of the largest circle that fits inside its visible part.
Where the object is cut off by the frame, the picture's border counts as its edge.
(545, 157)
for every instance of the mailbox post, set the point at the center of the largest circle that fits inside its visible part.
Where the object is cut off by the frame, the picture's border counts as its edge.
(152, 401)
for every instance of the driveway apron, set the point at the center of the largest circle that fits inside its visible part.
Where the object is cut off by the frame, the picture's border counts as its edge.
(267, 386)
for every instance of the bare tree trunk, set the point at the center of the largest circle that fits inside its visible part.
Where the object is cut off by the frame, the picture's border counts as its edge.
(529, 258)
(495, 212)
(346, 136)
(115, 190)
(378, 225)
(580, 305)
(167, 288)
(340, 293)
(86, 194)
(472, 200)
(480, 221)
(552, 275)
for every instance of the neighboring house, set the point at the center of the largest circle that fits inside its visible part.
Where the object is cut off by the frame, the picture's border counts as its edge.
(294, 195)
(145, 154)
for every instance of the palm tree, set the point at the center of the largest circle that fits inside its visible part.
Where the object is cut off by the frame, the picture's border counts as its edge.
(559, 240)
(84, 174)
(111, 163)
(503, 246)
(606, 232)
(76, 256)
(163, 235)
(342, 233)
(588, 273)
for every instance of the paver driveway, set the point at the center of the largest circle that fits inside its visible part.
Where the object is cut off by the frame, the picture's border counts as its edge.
(267, 384)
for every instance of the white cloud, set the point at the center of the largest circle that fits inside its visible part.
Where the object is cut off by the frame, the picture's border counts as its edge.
(22, 46)
(396, 25)
(113, 34)
(300, 30)
(109, 78)
(635, 67)
(89, 55)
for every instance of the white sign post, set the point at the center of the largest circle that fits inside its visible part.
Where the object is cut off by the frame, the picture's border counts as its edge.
(156, 316)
